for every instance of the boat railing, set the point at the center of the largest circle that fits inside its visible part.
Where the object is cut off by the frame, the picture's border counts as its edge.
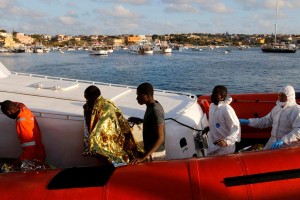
(192, 96)
(254, 101)
(57, 116)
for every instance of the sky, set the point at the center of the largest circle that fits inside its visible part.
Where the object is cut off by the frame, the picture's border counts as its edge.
(148, 17)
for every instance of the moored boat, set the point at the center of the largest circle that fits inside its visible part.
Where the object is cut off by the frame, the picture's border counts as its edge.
(275, 47)
(98, 50)
(167, 50)
(143, 47)
(161, 47)
(285, 48)
(19, 50)
(227, 51)
(109, 49)
(38, 49)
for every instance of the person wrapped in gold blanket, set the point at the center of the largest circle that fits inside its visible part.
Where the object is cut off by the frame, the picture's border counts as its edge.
(107, 133)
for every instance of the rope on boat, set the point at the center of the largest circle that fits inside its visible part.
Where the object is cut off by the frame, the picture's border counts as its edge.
(136, 120)
(184, 124)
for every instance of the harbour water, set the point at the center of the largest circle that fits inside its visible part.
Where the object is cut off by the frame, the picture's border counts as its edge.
(242, 71)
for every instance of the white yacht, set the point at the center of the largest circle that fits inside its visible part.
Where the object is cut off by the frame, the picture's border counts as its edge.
(109, 49)
(97, 50)
(167, 50)
(38, 49)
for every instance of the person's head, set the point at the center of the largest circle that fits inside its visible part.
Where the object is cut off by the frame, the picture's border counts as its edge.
(91, 93)
(219, 93)
(10, 109)
(286, 95)
(144, 93)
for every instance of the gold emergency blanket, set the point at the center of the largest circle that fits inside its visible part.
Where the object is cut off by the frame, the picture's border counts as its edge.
(24, 165)
(109, 134)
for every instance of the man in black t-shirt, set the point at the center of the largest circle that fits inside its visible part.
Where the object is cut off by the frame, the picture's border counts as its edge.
(153, 124)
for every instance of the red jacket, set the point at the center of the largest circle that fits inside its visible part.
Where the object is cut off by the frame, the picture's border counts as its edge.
(29, 135)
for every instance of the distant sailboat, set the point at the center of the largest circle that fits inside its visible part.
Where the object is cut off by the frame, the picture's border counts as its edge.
(278, 48)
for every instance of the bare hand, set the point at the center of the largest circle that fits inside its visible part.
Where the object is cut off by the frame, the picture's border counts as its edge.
(221, 143)
(137, 160)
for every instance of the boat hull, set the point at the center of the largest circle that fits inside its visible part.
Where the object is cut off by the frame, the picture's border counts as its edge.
(99, 52)
(278, 50)
(248, 175)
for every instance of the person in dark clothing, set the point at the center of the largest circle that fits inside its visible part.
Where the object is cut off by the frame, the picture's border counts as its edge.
(153, 124)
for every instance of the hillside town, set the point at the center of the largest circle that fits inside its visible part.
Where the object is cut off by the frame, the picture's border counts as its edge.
(19, 42)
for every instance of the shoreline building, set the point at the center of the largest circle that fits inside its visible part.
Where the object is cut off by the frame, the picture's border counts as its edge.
(24, 39)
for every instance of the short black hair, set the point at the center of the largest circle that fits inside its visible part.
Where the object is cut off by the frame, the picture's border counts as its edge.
(5, 106)
(92, 91)
(145, 88)
(220, 89)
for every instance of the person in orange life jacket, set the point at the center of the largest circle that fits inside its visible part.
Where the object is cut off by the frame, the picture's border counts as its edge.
(27, 129)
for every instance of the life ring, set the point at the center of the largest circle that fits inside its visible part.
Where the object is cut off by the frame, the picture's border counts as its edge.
(205, 107)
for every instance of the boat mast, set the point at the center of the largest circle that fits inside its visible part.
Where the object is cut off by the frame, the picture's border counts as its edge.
(276, 22)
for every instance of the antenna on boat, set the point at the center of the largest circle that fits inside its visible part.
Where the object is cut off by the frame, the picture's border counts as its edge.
(276, 22)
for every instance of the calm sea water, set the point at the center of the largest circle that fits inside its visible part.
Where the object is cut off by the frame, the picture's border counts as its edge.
(197, 72)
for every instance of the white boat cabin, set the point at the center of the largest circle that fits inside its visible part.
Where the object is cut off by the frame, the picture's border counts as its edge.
(57, 104)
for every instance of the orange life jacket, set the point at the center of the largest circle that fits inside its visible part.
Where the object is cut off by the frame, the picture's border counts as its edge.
(29, 135)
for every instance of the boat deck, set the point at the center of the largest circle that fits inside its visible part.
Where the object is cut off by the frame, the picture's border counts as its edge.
(67, 95)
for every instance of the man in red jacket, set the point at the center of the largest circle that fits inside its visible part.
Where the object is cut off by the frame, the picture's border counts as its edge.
(27, 129)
